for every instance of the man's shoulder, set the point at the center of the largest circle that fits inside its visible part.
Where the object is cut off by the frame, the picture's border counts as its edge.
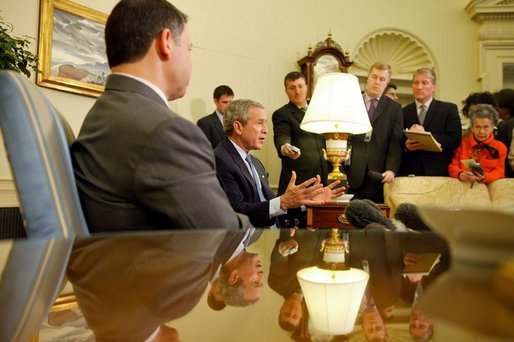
(285, 109)
(444, 105)
(206, 119)
(223, 150)
(409, 107)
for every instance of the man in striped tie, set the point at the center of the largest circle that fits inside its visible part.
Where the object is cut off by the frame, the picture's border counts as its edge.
(243, 176)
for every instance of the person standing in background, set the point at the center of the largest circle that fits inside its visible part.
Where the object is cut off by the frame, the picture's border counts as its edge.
(505, 106)
(376, 156)
(434, 116)
(390, 91)
(299, 150)
(212, 124)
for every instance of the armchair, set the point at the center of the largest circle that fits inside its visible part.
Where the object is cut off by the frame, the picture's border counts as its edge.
(37, 141)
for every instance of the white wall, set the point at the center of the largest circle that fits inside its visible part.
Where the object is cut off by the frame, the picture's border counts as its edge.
(251, 45)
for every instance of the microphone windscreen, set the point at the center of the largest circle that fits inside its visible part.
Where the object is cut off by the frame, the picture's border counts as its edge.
(360, 213)
(407, 213)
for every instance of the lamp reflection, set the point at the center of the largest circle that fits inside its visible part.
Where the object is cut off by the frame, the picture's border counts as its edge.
(333, 297)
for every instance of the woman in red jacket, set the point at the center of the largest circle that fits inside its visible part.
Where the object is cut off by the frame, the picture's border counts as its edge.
(480, 147)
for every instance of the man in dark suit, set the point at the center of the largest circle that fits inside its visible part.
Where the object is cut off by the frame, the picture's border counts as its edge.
(299, 150)
(212, 124)
(438, 117)
(138, 165)
(243, 176)
(376, 156)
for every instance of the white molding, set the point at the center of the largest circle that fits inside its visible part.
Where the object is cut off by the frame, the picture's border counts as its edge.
(8, 194)
(400, 49)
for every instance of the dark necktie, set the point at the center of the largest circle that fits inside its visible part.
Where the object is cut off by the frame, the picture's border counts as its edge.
(372, 108)
(422, 113)
(256, 179)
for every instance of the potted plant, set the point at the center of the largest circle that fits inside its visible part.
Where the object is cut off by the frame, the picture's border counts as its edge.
(14, 51)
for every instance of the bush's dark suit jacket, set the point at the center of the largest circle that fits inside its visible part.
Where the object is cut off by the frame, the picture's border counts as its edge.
(240, 186)
(384, 150)
(286, 129)
(212, 128)
(139, 166)
(442, 120)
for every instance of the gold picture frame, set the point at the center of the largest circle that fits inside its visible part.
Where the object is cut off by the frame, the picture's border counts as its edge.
(71, 48)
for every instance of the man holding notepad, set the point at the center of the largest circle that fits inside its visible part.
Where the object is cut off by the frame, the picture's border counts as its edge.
(427, 114)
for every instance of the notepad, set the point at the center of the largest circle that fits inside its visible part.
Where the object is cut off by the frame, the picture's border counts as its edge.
(426, 139)
(424, 266)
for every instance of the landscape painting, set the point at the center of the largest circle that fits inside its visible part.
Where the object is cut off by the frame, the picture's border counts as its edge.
(72, 48)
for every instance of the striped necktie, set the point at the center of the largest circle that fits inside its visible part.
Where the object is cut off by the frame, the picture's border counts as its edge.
(255, 177)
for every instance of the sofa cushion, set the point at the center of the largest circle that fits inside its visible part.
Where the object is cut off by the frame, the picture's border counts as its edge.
(434, 190)
(501, 192)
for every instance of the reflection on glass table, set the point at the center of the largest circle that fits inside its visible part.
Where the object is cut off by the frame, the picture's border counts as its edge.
(132, 283)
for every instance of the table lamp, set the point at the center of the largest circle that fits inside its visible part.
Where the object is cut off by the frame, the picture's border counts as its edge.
(337, 110)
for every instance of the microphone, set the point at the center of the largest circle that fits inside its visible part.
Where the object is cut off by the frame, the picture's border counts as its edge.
(407, 213)
(361, 213)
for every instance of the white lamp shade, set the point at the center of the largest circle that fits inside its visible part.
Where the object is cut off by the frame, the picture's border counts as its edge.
(333, 298)
(336, 106)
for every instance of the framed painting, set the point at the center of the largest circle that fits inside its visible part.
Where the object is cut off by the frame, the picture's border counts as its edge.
(71, 48)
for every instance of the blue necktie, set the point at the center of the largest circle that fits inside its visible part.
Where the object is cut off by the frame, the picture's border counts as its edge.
(255, 178)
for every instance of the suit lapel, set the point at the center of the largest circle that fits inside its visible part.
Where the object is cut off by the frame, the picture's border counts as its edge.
(240, 163)
(430, 111)
(218, 125)
(296, 112)
(381, 105)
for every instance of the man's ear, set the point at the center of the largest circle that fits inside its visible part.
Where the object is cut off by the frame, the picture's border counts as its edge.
(164, 45)
(233, 277)
(238, 127)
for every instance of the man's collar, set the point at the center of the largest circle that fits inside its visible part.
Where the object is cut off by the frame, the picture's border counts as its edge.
(148, 83)
(427, 104)
(239, 149)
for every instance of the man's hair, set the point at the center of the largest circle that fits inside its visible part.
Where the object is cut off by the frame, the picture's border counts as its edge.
(233, 295)
(222, 90)
(505, 99)
(238, 110)
(216, 305)
(425, 337)
(390, 85)
(381, 66)
(285, 324)
(293, 76)
(427, 72)
(477, 98)
(483, 111)
(133, 25)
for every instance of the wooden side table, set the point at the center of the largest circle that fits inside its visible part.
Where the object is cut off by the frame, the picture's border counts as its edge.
(331, 215)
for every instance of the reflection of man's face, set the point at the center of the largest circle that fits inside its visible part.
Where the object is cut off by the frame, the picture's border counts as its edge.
(419, 324)
(297, 91)
(291, 310)
(372, 324)
(250, 272)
